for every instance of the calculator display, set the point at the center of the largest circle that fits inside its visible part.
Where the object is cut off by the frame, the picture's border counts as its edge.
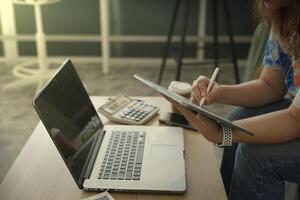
(115, 104)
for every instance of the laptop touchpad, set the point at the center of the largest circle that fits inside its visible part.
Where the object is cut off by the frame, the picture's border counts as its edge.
(163, 153)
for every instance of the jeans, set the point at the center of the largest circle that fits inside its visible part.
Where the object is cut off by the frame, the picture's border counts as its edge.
(258, 171)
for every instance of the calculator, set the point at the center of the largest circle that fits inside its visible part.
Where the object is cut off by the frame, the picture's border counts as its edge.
(125, 110)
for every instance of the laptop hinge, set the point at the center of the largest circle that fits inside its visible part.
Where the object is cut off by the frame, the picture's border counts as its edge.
(93, 156)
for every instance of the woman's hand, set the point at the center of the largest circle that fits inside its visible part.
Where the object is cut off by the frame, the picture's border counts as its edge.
(199, 91)
(207, 127)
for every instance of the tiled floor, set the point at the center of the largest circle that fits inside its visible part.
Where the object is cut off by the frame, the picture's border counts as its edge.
(18, 118)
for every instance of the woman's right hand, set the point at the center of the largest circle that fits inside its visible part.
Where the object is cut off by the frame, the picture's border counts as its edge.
(199, 91)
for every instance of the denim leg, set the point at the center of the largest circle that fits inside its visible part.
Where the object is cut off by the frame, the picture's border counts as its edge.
(260, 170)
(229, 152)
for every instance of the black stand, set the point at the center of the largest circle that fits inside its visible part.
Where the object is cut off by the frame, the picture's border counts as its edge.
(180, 54)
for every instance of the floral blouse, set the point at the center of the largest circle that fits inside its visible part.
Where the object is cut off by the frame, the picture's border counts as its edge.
(276, 58)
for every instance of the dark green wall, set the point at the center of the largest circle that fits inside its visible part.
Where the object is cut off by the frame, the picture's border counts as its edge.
(137, 17)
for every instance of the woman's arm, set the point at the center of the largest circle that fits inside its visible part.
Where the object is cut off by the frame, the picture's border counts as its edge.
(268, 88)
(275, 127)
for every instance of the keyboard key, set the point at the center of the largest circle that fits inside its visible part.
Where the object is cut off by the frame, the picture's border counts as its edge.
(128, 175)
(114, 172)
(106, 177)
(137, 169)
(130, 163)
(113, 176)
(136, 173)
(139, 155)
(124, 155)
(138, 165)
(129, 168)
(123, 167)
(121, 176)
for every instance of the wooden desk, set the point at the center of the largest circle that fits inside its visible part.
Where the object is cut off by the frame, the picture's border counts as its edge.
(40, 173)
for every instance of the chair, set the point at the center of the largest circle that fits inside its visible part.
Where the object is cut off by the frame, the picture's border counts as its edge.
(34, 71)
(256, 52)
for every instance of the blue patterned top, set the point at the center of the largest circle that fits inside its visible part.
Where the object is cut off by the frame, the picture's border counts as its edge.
(276, 58)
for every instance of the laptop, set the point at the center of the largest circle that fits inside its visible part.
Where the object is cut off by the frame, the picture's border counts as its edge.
(108, 157)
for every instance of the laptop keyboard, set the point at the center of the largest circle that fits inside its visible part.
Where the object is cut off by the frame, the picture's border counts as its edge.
(124, 156)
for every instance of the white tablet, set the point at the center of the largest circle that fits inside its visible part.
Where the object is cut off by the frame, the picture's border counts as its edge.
(191, 106)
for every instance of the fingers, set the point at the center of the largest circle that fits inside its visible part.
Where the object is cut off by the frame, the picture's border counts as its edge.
(184, 110)
(203, 82)
(199, 91)
(211, 96)
(199, 88)
(195, 121)
(196, 93)
(194, 100)
(190, 116)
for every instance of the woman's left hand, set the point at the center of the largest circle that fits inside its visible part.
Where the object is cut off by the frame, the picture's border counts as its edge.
(207, 127)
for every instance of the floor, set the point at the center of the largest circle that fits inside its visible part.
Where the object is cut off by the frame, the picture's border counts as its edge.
(18, 118)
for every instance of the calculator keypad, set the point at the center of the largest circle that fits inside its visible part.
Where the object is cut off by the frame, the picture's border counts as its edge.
(136, 112)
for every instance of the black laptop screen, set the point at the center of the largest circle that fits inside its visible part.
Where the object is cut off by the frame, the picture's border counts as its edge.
(70, 118)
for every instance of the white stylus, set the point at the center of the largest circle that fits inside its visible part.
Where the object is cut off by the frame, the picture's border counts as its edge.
(211, 82)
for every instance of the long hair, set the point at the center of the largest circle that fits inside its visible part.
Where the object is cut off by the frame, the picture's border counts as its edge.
(284, 23)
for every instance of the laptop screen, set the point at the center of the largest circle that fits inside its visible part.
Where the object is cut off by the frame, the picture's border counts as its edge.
(66, 111)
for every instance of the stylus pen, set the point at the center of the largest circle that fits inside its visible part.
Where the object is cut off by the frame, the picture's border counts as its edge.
(211, 82)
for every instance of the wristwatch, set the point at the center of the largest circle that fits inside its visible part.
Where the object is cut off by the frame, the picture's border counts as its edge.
(227, 137)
